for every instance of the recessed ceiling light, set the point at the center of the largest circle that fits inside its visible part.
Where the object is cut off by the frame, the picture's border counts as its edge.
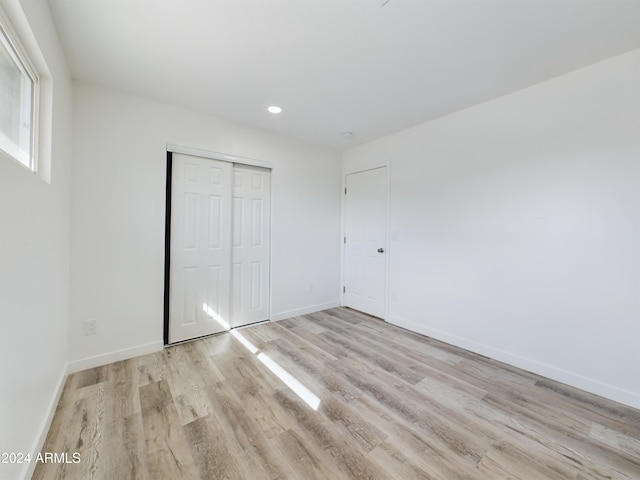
(274, 109)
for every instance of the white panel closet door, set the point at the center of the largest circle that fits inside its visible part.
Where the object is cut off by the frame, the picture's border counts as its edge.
(366, 239)
(250, 245)
(199, 290)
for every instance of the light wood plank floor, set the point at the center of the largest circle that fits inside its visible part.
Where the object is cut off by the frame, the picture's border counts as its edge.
(393, 405)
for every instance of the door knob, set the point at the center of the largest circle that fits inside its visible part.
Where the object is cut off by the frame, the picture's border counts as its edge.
(381, 250)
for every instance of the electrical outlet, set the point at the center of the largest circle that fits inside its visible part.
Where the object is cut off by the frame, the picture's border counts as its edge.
(90, 327)
(310, 288)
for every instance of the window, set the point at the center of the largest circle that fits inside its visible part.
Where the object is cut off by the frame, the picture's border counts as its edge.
(18, 100)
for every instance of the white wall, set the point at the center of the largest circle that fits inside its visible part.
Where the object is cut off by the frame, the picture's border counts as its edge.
(118, 208)
(34, 263)
(518, 227)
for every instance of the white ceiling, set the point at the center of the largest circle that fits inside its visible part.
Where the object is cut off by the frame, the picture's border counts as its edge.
(337, 65)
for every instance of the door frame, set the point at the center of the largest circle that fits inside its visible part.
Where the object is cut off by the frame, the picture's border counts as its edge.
(197, 152)
(349, 170)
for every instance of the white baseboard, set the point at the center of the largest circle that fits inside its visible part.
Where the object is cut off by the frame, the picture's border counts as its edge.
(304, 311)
(45, 425)
(611, 392)
(106, 358)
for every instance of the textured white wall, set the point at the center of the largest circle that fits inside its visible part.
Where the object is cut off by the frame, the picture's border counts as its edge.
(118, 208)
(34, 262)
(518, 226)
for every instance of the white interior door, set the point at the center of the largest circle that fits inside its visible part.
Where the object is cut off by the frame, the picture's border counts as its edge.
(250, 245)
(365, 241)
(200, 247)
(220, 246)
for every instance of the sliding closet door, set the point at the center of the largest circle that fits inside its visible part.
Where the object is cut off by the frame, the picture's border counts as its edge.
(200, 254)
(219, 246)
(250, 245)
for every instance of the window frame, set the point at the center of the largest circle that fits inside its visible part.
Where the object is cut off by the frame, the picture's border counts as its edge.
(11, 40)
